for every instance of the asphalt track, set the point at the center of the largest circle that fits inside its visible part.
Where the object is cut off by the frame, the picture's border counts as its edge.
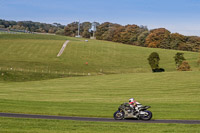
(95, 119)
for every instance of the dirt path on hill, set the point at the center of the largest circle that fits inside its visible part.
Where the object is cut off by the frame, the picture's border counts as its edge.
(63, 48)
(95, 119)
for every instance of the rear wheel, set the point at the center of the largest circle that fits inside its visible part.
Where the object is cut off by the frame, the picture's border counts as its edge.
(146, 116)
(118, 115)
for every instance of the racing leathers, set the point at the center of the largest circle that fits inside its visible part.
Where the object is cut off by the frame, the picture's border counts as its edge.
(133, 106)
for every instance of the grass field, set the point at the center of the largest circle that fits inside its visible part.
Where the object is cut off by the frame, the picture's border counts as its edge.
(172, 95)
(14, 125)
(37, 53)
(119, 73)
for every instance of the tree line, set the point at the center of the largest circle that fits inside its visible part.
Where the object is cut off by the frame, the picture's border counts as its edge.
(137, 35)
(30, 26)
(129, 34)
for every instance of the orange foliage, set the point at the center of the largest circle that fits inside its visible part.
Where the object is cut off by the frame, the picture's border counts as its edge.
(156, 37)
(177, 36)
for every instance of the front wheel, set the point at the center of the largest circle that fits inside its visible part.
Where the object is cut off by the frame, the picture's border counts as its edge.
(146, 116)
(118, 115)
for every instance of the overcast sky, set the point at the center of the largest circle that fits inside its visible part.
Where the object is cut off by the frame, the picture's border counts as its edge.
(182, 16)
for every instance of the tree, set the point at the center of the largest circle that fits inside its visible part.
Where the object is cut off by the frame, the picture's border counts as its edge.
(185, 47)
(158, 38)
(184, 66)
(71, 29)
(194, 43)
(86, 34)
(60, 32)
(84, 29)
(131, 33)
(104, 27)
(179, 58)
(142, 37)
(31, 26)
(154, 60)
(113, 33)
(117, 33)
(177, 40)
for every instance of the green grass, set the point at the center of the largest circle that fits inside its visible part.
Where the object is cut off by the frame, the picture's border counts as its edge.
(172, 95)
(123, 72)
(20, 76)
(17, 125)
(29, 52)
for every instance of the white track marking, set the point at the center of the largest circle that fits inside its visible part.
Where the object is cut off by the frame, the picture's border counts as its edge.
(63, 48)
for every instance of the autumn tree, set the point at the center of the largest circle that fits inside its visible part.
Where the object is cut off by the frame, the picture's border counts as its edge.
(113, 33)
(194, 43)
(177, 40)
(117, 30)
(131, 34)
(158, 38)
(104, 27)
(184, 66)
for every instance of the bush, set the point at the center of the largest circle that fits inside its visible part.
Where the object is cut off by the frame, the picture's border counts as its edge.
(154, 60)
(178, 59)
(184, 66)
(60, 32)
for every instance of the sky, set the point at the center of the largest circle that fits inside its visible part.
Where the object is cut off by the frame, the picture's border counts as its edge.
(182, 16)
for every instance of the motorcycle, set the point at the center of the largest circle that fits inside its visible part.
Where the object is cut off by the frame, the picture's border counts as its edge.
(125, 111)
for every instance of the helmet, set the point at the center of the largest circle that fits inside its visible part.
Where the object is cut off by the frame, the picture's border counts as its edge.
(131, 100)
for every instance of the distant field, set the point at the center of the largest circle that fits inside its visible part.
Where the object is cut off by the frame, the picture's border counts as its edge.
(37, 53)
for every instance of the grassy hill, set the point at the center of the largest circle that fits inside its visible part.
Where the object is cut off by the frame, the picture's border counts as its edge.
(172, 94)
(30, 53)
(33, 57)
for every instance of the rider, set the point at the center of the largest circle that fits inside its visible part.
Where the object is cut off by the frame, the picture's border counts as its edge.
(133, 105)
